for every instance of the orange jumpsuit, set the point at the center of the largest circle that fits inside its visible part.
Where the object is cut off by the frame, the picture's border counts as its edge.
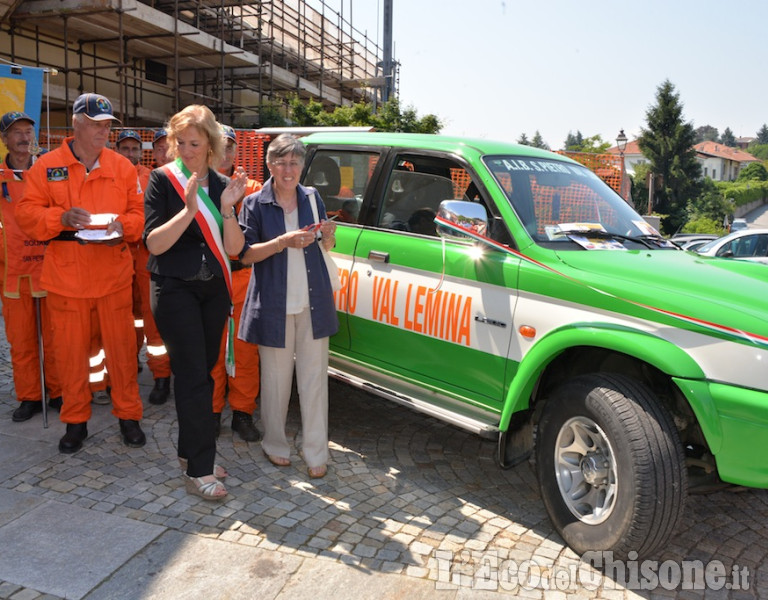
(23, 260)
(243, 388)
(157, 356)
(84, 277)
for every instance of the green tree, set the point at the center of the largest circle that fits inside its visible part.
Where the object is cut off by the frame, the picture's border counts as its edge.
(728, 138)
(391, 117)
(667, 143)
(523, 139)
(704, 225)
(538, 141)
(753, 171)
(759, 151)
(762, 135)
(639, 181)
(271, 114)
(573, 141)
(593, 144)
(707, 133)
(304, 114)
(709, 206)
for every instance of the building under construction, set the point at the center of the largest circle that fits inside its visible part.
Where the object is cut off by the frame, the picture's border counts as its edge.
(241, 59)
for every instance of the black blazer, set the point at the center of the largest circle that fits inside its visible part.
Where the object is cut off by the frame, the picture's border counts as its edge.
(161, 202)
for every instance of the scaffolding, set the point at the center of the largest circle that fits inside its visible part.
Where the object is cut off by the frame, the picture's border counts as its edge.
(153, 58)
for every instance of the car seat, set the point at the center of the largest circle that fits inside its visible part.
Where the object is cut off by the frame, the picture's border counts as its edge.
(325, 176)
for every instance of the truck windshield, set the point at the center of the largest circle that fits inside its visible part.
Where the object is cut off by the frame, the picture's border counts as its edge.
(560, 203)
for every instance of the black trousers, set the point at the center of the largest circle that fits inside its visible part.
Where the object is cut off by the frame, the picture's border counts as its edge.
(190, 317)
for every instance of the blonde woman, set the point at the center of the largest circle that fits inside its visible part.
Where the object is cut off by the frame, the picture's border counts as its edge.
(185, 205)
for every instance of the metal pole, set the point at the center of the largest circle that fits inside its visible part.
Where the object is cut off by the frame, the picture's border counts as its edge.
(387, 51)
(41, 357)
(650, 194)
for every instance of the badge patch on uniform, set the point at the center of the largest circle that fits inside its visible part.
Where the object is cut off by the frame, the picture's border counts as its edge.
(58, 174)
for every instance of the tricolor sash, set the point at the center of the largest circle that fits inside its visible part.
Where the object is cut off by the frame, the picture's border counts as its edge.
(208, 218)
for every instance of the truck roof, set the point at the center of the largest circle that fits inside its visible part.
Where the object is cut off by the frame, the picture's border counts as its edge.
(427, 141)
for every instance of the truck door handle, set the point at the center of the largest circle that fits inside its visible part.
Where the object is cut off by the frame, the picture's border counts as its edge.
(376, 255)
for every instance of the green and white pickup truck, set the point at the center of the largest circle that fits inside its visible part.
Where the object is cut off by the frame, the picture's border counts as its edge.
(510, 292)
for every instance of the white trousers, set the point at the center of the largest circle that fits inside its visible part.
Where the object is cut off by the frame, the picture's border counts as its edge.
(310, 357)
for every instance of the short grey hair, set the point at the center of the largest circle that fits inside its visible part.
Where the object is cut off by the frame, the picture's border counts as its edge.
(283, 145)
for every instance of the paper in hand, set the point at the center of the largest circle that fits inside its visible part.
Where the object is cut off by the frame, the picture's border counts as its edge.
(97, 235)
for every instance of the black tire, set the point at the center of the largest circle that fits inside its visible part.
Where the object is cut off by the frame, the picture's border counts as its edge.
(633, 480)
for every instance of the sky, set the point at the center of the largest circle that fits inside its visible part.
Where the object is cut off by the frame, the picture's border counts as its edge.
(499, 68)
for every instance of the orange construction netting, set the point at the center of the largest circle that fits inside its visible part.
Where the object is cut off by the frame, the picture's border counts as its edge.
(251, 146)
(608, 167)
(576, 203)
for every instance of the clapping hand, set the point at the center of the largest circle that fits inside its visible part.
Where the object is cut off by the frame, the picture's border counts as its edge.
(190, 193)
(234, 191)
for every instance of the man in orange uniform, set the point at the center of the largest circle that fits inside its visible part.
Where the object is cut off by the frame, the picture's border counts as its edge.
(160, 148)
(129, 145)
(243, 388)
(21, 282)
(78, 185)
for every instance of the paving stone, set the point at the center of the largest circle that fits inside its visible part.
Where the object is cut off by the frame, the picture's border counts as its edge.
(167, 569)
(401, 486)
(36, 561)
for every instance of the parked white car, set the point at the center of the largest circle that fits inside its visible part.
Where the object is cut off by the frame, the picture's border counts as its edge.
(738, 225)
(745, 244)
(691, 241)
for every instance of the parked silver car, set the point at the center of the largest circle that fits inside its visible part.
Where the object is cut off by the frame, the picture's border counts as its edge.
(745, 244)
(696, 243)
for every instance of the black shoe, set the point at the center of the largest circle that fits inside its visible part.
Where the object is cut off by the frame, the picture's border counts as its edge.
(55, 403)
(242, 423)
(161, 391)
(27, 409)
(73, 439)
(133, 436)
(217, 424)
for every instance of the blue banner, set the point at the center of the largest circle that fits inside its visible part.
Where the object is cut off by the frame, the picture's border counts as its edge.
(21, 88)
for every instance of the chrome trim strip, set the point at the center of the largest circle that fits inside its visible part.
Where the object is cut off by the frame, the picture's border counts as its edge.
(484, 424)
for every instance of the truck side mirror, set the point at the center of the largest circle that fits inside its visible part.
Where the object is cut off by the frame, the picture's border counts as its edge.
(467, 215)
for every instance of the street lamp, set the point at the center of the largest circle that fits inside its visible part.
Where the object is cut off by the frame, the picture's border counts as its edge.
(621, 143)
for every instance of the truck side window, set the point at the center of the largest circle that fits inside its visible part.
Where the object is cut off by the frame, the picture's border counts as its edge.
(414, 190)
(341, 178)
(418, 184)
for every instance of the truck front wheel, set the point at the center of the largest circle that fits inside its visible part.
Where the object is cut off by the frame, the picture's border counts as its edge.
(610, 466)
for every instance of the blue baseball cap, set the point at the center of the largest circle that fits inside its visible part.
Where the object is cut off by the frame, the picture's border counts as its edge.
(159, 134)
(128, 134)
(228, 133)
(94, 106)
(10, 118)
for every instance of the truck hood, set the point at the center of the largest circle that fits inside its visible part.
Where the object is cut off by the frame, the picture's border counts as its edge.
(728, 293)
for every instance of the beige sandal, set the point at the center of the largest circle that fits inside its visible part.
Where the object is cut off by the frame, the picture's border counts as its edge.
(218, 471)
(317, 472)
(208, 490)
(278, 461)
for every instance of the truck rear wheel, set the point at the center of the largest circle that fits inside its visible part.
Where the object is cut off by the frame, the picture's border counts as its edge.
(610, 466)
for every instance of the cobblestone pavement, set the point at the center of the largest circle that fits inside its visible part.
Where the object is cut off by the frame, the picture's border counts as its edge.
(406, 496)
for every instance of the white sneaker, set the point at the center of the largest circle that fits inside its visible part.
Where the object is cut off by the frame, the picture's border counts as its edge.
(101, 397)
